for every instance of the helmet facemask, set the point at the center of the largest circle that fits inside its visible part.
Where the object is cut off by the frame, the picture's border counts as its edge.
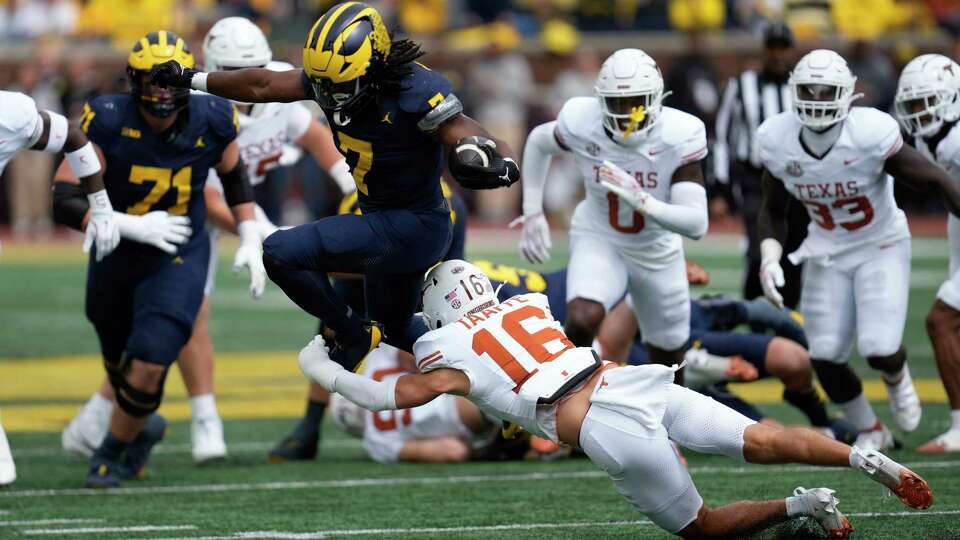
(922, 110)
(821, 105)
(630, 117)
(158, 101)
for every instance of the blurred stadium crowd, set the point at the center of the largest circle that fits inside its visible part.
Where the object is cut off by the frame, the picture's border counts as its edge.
(514, 63)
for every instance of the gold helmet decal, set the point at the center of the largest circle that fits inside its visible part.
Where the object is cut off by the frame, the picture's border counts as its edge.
(342, 43)
(158, 47)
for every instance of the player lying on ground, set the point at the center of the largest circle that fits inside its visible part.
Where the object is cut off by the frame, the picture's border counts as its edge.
(157, 147)
(23, 127)
(837, 160)
(393, 118)
(641, 165)
(928, 108)
(513, 360)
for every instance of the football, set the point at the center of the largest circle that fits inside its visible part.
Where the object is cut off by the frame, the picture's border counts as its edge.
(472, 154)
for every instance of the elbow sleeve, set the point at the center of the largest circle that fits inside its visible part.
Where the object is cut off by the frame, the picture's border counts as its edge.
(686, 213)
(236, 185)
(368, 393)
(70, 205)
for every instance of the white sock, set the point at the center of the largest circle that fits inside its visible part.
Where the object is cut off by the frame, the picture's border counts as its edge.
(859, 413)
(203, 407)
(955, 420)
(893, 380)
(796, 506)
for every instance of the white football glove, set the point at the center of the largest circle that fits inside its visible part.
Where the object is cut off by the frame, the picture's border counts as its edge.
(535, 239)
(265, 227)
(771, 273)
(102, 227)
(250, 255)
(158, 229)
(624, 185)
(316, 364)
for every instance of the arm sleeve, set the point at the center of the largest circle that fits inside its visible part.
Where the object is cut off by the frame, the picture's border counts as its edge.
(685, 214)
(721, 147)
(298, 120)
(541, 145)
(367, 393)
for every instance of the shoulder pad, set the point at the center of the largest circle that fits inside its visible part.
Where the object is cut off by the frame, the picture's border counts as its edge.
(679, 126)
(102, 118)
(873, 130)
(578, 112)
(223, 118)
(424, 90)
(771, 132)
(428, 352)
(20, 111)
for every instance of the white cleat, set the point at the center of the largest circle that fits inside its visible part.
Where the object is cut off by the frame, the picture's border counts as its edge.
(907, 485)
(85, 432)
(904, 401)
(8, 471)
(206, 435)
(878, 438)
(821, 505)
(945, 443)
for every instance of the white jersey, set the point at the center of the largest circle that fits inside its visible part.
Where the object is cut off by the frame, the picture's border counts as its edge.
(267, 131)
(385, 432)
(517, 358)
(847, 193)
(678, 139)
(20, 125)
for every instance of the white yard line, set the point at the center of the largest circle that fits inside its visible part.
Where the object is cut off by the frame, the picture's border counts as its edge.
(915, 513)
(185, 448)
(54, 521)
(98, 530)
(428, 480)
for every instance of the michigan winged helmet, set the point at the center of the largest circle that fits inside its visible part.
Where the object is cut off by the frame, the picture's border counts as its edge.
(150, 50)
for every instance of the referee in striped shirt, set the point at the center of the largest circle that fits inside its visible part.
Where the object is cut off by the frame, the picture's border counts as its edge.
(748, 100)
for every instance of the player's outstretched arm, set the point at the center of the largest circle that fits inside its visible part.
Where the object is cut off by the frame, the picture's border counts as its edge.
(251, 85)
(772, 228)
(501, 169)
(910, 166)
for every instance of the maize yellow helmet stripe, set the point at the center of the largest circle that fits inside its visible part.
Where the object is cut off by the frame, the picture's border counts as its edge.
(319, 35)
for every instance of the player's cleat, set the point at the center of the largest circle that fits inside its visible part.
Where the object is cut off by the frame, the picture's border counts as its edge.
(206, 437)
(105, 474)
(878, 438)
(135, 461)
(298, 446)
(945, 443)
(904, 401)
(351, 356)
(912, 490)
(85, 432)
(703, 368)
(821, 505)
(8, 471)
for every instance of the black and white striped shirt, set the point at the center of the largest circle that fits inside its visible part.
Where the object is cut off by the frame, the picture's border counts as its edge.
(748, 100)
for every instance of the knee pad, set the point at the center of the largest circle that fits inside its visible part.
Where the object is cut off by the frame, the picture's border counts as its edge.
(891, 363)
(583, 322)
(838, 380)
(134, 401)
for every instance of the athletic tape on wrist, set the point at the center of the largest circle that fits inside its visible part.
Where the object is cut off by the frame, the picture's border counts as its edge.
(84, 161)
(199, 81)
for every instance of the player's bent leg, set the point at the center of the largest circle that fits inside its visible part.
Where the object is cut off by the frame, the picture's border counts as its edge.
(661, 301)
(844, 388)
(196, 368)
(699, 423)
(584, 318)
(304, 442)
(89, 426)
(790, 362)
(590, 298)
(943, 328)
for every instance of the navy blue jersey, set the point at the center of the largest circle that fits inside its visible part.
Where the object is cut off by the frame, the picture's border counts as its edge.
(394, 163)
(513, 281)
(146, 171)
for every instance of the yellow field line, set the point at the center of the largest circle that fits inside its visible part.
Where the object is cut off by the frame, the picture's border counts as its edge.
(42, 394)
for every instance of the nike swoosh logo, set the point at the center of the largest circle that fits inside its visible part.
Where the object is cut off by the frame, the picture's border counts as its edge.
(849, 161)
(656, 151)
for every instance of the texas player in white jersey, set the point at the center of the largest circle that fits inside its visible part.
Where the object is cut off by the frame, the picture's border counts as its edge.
(269, 134)
(838, 162)
(23, 127)
(513, 360)
(642, 170)
(928, 108)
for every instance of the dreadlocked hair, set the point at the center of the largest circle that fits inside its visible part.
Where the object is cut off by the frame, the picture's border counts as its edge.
(386, 76)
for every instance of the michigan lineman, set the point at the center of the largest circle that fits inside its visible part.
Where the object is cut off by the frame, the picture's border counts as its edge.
(392, 117)
(642, 167)
(157, 147)
(22, 127)
(928, 107)
(837, 161)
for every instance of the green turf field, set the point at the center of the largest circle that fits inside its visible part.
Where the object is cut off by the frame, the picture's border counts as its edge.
(48, 366)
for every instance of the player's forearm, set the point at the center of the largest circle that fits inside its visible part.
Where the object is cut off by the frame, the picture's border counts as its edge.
(771, 221)
(218, 212)
(541, 145)
(686, 214)
(910, 166)
(251, 85)
(370, 394)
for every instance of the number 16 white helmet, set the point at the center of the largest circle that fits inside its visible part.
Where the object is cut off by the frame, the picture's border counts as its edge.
(452, 289)
(822, 87)
(630, 90)
(928, 94)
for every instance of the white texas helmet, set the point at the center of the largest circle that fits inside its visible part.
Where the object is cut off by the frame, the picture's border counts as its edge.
(452, 289)
(235, 42)
(347, 415)
(630, 90)
(928, 94)
(822, 88)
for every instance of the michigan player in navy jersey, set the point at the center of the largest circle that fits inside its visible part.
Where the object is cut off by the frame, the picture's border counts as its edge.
(156, 146)
(392, 118)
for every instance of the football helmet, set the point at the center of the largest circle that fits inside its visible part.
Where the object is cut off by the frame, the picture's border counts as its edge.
(233, 43)
(347, 415)
(150, 50)
(630, 90)
(453, 289)
(928, 94)
(340, 49)
(822, 88)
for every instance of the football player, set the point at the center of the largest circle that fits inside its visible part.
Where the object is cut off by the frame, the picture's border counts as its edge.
(928, 108)
(837, 160)
(157, 146)
(513, 360)
(393, 118)
(642, 169)
(24, 127)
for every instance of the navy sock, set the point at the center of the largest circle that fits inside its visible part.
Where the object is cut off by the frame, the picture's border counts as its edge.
(809, 403)
(111, 449)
